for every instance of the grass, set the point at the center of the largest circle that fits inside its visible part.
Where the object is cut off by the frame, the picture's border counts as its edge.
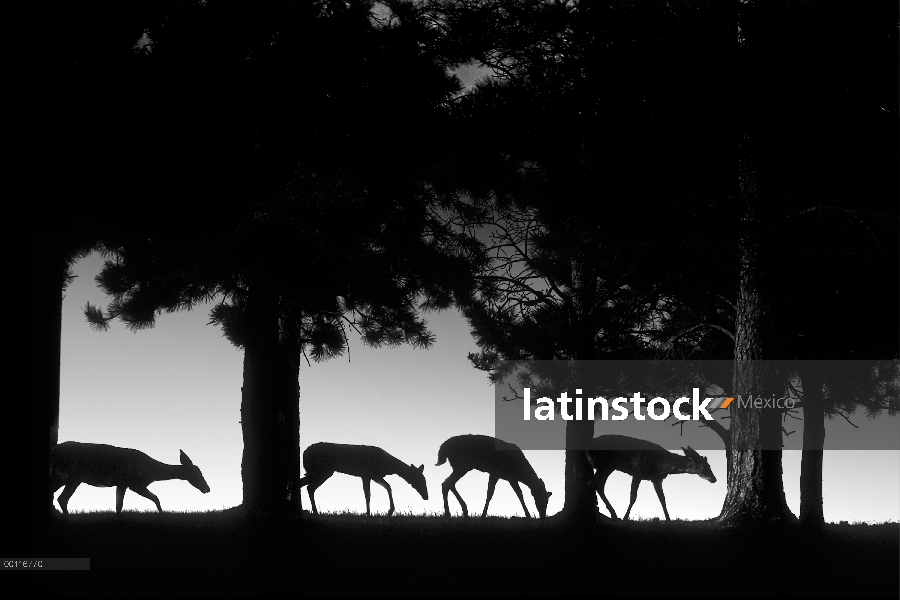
(217, 554)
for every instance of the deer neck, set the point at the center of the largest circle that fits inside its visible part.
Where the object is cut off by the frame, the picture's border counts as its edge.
(407, 472)
(164, 472)
(530, 478)
(679, 464)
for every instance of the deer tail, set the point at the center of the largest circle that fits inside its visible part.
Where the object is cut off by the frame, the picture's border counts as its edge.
(442, 455)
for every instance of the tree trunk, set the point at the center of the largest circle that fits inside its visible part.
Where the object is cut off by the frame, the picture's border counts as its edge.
(581, 501)
(756, 489)
(580, 504)
(811, 511)
(270, 401)
(47, 272)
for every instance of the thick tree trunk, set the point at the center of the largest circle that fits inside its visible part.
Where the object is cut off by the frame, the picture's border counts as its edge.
(581, 501)
(756, 490)
(580, 505)
(270, 420)
(811, 510)
(47, 272)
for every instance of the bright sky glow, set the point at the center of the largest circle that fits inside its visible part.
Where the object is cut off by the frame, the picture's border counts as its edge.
(178, 386)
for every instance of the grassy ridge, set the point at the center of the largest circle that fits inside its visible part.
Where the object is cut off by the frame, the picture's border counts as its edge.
(217, 555)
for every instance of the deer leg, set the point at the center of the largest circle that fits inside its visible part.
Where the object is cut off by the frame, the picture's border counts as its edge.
(148, 495)
(657, 485)
(303, 481)
(120, 498)
(387, 486)
(312, 497)
(445, 488)
(54, 487)
(492, 483)
(599, 483)
(313, 485)
(67, 493)
(459, 499)
(635, 483)
(518, 491)
(56, 482)
(450, 485)
(367, 483)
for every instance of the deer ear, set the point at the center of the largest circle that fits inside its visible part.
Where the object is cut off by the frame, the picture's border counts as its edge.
(184, 459)
(693, 454)
(421, 468)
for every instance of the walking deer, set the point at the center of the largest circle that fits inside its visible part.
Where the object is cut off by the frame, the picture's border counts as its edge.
(74, 463)
(500, 460)
(322, 460)
(642, 460)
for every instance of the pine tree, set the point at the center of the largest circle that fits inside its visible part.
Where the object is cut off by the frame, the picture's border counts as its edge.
(324, 117)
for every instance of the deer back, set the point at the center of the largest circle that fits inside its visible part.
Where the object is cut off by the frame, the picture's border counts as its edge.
(351, 459)
(101, 465)
(636, 457)
(490, 455)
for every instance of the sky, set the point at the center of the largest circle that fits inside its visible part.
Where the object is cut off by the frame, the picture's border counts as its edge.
(178, 387)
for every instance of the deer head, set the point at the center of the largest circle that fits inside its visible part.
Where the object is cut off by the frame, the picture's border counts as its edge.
(417, 480)
(541, 497)
(194, 476)
(699, 464)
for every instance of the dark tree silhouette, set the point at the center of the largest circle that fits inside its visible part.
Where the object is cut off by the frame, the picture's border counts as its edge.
(599, 236)
(831, 389)
(628, 62)
(338, 235)
(89, 175)
(834, 119)
(843, 309)
(85, 190)
(666, 87)
(571, 283)
(331, 255)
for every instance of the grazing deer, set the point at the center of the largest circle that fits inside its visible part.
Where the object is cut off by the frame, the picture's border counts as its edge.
(322, 460)
(74, 463)
(641, 460)
(500, 460)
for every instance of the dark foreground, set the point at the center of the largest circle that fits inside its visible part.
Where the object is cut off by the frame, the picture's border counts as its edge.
(216, 555)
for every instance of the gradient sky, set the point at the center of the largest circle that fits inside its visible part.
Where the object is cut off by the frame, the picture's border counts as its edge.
(178, 386)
